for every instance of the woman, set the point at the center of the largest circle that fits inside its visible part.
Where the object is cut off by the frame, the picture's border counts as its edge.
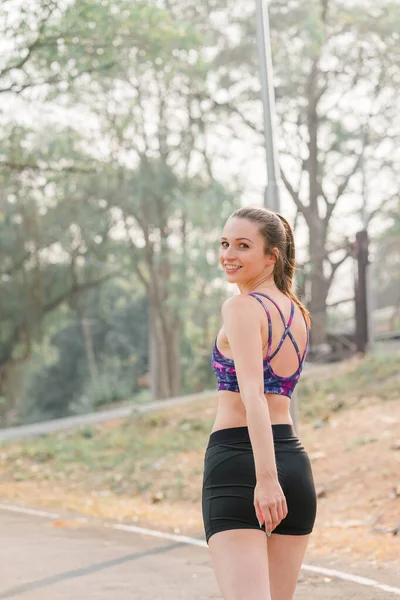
(257, 476)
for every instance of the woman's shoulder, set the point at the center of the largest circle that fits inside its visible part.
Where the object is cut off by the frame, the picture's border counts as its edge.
(238, 302)
(239, 306)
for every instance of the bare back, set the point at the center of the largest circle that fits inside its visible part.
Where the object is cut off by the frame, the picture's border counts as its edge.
(231, 410)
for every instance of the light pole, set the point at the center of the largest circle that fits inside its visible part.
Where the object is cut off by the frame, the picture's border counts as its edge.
(271, 195)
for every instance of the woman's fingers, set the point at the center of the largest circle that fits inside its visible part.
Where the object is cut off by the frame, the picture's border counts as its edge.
(275, 519)
(270, 512)
(284, 507)
(259, 514)
(274, 514)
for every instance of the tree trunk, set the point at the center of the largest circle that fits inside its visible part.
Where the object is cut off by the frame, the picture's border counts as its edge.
(11, 388)
(164, 344)
(319, 285)
(157, 355)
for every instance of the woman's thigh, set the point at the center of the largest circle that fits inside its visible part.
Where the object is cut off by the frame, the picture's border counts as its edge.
(285, 557)
(240, 561)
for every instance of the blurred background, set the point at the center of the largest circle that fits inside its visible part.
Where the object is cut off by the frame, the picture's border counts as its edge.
(129, 132)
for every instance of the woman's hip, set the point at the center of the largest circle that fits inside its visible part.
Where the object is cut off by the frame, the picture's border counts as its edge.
(229, 456)
(229, 480)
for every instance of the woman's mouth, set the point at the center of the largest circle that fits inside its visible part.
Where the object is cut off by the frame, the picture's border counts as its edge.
(232, 268)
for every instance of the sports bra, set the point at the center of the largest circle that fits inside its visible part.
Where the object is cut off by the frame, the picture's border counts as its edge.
(224, 367)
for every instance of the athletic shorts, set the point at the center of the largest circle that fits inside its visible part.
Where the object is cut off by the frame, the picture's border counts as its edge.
(229, 480)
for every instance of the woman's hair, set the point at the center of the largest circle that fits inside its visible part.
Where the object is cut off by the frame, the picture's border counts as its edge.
(277, 233)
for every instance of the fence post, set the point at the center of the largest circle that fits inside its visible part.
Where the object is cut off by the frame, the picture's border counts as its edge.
(361, 292)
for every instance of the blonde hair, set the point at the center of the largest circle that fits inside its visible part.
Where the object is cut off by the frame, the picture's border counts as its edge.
(277, 233)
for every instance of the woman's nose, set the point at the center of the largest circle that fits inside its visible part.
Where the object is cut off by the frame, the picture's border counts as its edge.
(230, 253)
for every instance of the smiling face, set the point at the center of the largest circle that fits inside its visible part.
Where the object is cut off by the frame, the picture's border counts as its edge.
(242, 253)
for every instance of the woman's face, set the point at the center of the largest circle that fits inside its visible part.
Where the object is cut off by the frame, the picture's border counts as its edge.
(242, 253)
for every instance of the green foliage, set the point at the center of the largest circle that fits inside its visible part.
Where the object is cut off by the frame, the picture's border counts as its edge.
(112, 384)
(74, 198)
(65, 385)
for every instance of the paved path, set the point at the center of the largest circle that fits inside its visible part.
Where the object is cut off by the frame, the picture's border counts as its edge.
(42, 561)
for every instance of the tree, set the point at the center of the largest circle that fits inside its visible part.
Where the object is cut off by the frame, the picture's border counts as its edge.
(46, 237)
(336, 81)
(59, 381)
(48, 44)
(159, 179)
(152, 183)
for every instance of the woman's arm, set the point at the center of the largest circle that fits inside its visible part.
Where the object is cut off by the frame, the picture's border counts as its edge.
(242, 325)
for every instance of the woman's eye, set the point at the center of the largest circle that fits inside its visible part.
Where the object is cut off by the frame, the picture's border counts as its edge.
(224, 246)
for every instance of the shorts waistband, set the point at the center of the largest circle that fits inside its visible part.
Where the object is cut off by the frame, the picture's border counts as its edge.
(241, 434)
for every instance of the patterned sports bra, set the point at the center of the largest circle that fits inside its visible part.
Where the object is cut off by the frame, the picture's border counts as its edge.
(224, 368)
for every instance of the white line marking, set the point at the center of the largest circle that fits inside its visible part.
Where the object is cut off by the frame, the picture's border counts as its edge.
(160, 534)
(203, 544)
(353, 578)
(30, 511)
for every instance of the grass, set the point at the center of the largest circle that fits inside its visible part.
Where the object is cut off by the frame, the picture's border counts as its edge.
(121, 457)
(343, 385)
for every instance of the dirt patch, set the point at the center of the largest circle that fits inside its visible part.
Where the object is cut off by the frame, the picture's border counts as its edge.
(356, 464)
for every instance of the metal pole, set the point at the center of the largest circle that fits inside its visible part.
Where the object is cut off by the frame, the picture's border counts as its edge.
(271, 197)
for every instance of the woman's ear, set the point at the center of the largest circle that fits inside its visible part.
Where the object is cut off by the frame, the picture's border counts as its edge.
(272, 256)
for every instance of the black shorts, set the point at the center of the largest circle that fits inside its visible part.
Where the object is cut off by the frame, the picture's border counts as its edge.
(229, 480)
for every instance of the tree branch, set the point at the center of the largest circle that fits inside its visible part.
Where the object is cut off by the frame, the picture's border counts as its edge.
(13, 166)
(138, 268)
(35, 44)
(14, 88)
(76, 289)
(295, 195)
(343, 186)
(235, 110)
(337, 264)
(372, 214)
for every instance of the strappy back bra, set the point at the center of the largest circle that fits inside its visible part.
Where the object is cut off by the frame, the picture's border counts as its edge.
(224, 367)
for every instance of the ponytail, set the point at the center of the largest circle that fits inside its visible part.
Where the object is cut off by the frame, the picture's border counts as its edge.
(285, 275)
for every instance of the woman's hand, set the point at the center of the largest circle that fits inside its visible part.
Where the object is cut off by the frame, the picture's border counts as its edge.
(270, 503)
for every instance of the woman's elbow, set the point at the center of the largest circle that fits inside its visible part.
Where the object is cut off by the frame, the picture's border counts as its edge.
(252, 394)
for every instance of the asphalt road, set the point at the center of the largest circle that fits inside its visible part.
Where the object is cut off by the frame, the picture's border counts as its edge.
(49, 559)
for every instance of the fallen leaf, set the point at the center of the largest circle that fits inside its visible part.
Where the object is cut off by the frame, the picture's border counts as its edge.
(61, 524)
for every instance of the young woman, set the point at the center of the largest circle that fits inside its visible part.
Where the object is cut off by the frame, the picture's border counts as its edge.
(258, 496)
